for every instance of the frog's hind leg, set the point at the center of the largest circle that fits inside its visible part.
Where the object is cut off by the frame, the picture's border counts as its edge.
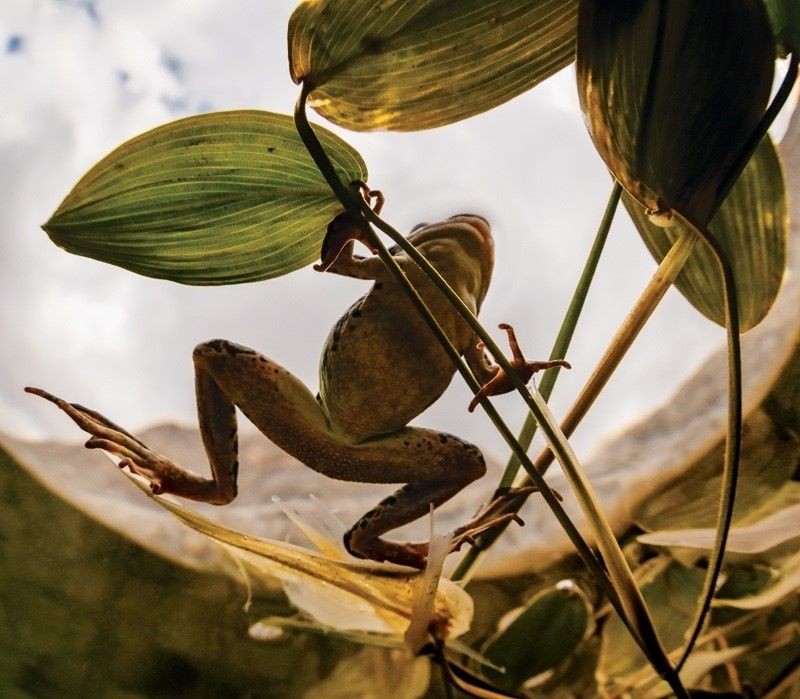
(227, 376)
(437, 467)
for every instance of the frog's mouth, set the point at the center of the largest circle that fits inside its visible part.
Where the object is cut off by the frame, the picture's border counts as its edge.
(469, 224)
(484, 230)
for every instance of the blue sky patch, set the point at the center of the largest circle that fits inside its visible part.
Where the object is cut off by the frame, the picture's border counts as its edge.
(15, 44)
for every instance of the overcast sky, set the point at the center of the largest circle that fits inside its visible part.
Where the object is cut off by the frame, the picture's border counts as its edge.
(79, 77)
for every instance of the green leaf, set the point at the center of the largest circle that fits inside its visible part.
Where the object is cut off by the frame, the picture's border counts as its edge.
(785, 585)
(672, 92)
(784, 16)
(751, 226)
(218, 198)
(417, 64)
(543, 634)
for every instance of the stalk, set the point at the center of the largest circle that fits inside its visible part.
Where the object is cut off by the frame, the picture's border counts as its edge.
(626, 598)
(559, 351)
(733, 440)
(659, 284)
(350, 202)
(567, 330)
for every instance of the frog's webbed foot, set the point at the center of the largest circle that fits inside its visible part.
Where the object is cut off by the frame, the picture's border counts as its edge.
(163, 474)
(501, 382)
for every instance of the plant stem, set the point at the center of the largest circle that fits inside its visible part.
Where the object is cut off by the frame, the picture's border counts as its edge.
(660, 282)
(626, 598)
(567, 330)
(733, 440)
(559, 351)
(758, 134)
(621, 575)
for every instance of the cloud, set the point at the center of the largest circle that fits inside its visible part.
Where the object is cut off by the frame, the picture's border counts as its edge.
(84, 77)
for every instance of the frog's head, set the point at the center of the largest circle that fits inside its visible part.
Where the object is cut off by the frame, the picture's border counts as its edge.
(461, 248)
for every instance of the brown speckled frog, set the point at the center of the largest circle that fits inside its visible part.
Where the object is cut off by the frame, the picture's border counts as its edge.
(380, 368)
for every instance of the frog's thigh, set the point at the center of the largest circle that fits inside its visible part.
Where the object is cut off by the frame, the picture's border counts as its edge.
(274, 400)
(281, 407)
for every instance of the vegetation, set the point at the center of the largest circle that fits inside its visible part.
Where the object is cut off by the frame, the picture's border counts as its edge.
(676, 96)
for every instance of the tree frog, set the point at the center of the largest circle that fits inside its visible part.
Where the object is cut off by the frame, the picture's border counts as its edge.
(381, 366)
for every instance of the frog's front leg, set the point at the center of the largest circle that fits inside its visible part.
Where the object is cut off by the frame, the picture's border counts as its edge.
(500, 382)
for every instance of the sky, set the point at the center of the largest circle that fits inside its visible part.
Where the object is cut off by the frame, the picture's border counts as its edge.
(82, 76)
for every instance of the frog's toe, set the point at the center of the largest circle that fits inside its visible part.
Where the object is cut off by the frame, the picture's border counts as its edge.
(468, 533)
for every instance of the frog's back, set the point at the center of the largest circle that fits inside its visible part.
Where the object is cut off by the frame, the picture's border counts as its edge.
(382, 365)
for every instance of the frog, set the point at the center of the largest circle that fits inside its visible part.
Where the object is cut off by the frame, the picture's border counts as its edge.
(381, 366)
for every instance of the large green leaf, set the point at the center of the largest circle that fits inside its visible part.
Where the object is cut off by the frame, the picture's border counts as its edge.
(672, 91)
(407, 65)
(541, 636)
(218, 198)
(751, 226)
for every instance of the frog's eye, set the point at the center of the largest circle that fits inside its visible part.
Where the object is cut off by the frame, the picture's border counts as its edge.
(418, 226)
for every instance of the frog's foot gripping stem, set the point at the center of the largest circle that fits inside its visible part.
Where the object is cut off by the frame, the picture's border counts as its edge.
(163, 475)
(500, 510)
(501, 382)
(343, 229)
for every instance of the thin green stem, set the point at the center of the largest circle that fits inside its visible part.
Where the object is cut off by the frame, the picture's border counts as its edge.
(568, 325)
(733, 440)
(323, 162)
(659, 284)
(559, 351)
(758, 134)
(624, 581)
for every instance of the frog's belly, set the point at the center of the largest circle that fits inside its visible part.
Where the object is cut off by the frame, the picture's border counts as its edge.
(371, 386)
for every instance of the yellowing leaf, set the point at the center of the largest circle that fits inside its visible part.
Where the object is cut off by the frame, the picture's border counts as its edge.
(407, 65)
(368, 597)
(769, 532)
(218, 198)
